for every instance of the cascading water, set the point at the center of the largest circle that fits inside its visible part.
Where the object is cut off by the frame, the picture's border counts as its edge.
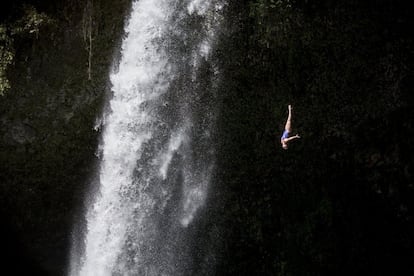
(157, 156)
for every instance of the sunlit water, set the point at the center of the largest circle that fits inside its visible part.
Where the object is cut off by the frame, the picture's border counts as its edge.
(157, 156)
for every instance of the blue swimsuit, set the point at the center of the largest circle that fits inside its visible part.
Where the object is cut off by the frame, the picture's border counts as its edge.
(284, 135)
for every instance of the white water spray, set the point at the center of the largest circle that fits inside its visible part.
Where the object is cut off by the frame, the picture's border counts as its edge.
(155, 168)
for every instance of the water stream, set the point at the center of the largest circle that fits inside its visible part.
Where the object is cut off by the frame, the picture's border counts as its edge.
(157, 155)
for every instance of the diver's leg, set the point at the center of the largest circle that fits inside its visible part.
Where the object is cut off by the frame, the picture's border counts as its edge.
(288, 122)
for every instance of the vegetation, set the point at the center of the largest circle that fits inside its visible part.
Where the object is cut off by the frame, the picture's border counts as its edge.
(47, 136)
(6, 58)
(29, 24)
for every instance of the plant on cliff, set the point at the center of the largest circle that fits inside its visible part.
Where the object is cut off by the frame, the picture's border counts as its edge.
(30, 23)
(6, 58)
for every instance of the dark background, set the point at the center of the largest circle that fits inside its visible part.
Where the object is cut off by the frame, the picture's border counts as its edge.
(338, 202)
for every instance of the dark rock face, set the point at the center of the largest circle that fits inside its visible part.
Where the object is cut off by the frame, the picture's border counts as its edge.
(47, 135)
(340, 200)
(19, 133)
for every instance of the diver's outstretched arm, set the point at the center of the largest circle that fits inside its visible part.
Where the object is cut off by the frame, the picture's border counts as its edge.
(291, 138)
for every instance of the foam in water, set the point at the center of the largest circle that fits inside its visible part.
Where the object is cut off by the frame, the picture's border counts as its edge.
(175, 142)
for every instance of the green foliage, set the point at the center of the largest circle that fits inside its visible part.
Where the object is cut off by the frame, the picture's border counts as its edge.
(44, 175)
(31, 22)
(6, 58)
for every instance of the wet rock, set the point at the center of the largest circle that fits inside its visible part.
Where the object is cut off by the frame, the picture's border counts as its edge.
(20, 133)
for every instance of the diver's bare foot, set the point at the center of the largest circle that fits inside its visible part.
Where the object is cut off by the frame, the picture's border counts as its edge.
(290, 107)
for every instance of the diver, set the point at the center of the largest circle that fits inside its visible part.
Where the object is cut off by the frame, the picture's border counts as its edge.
(285, 139)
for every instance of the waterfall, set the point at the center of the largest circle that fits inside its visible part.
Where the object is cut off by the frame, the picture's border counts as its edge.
(157, 153)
